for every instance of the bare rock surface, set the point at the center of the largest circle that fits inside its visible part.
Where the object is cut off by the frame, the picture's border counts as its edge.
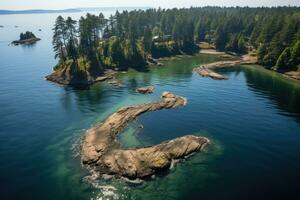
(101, 150)
(115, 83)
(205, 70)
(145, 90)
(66, 77)
(108, 74)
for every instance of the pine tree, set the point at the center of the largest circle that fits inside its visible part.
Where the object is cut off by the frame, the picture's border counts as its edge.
(283, 62)
(199, 31)
(295, 55)
(71, 37)
(58, 39)
(220, 38)
(147, 39)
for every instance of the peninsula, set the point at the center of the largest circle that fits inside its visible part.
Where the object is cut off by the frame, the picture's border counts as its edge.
(205, 70)
(87, 47)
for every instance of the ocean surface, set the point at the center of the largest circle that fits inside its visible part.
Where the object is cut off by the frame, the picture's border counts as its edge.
(252, 119)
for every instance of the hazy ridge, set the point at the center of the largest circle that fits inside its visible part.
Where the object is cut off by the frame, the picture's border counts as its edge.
(70, 10)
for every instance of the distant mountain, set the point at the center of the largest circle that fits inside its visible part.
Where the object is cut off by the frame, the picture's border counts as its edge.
(37, 11)
(71, 10)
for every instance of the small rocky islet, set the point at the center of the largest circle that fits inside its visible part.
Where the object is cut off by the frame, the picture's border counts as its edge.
(145, 90)
(26, 38)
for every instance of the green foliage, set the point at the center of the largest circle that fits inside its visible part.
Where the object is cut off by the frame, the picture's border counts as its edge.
(59, 39)
(284, 59)
(289, 59)
(220, 38)
(114, 54)
(164, 49)
(128, 39)
(200, 31)
(27, 35)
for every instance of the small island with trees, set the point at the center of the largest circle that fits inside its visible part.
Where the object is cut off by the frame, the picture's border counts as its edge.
(26, 38)
(88, 48)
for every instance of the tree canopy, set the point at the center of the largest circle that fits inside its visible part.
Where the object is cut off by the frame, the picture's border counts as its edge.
(129, 39)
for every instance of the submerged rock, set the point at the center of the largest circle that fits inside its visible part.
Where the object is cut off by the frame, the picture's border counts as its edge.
(102, 151)
(145, 90)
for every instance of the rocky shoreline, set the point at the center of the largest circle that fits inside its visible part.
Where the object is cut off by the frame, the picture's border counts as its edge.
(65, 78)
(26, 41)
(205, 70)
(101, 151)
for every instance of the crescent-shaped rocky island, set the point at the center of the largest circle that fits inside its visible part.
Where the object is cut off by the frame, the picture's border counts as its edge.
(101, 150)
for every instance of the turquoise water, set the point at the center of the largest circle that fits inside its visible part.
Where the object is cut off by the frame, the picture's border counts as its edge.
(253, 120)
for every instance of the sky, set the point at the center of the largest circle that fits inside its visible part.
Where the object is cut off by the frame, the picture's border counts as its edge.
(62, 4)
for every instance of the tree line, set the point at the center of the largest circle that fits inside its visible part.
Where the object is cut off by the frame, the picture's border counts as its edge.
(131, 39)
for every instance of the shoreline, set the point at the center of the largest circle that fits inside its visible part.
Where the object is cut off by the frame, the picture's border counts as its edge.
(25, 42)
(205, 70)
(108, 74)
(246, 60)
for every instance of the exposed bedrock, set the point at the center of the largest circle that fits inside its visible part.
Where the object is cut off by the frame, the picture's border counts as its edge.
(205, 70)
(101, 150)
(145, 90)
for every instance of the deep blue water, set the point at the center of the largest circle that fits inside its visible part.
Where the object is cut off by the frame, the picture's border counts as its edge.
(253, 120)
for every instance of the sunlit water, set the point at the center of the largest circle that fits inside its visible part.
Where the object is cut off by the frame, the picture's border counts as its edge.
(253, 121)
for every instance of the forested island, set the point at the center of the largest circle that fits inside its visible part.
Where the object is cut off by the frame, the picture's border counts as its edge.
(26, 38)
(85, 49)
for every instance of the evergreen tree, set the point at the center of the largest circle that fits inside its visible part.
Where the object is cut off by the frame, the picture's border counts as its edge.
(147, 39)
(220, 38)
(274, 32)
(199, 31)
(284, 59)
(58, 39)
(295, 55)
(71, 38)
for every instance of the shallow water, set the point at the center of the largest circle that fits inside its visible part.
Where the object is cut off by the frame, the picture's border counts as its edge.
(253, 120)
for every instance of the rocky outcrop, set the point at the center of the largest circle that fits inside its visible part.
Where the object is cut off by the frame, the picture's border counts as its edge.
(115, 83)
(65, 76)
(145, 90)
(151, 61)
(205, 72)
(102, 151)
(26, 38)
(143, 162)
(26, 41)
(108, 74)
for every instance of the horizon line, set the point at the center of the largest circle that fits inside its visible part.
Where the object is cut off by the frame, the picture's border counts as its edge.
(148, 7)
